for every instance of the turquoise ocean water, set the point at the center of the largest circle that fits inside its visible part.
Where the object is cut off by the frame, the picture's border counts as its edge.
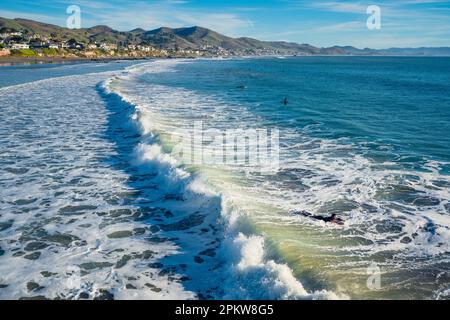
(366, 138)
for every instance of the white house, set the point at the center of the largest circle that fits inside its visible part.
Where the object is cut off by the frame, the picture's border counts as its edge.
(145, 48)
(108, 46)
(20, 46)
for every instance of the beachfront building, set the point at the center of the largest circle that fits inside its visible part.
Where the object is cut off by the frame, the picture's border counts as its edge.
(108, 46)
(92, 46)
(144, 48)
(189, 52)
(74, 45)
(54, 45)
(38, 44)
(20, 46)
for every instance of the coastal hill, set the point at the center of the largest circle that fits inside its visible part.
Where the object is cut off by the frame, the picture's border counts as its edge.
(195, 38)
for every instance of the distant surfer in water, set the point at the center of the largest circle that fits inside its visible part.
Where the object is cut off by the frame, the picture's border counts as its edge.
(286, 101)
(332, 219)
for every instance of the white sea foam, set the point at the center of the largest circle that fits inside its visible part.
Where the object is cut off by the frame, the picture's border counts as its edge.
(67, 183)
(249, 274)
(66, 229)
(330, 177)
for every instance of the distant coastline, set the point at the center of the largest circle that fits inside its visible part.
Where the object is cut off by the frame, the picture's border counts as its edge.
(16, 61)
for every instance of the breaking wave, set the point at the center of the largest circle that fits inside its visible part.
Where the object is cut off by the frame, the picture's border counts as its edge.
(243, 270)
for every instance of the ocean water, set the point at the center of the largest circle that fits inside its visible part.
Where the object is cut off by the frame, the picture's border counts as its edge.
(96, 200)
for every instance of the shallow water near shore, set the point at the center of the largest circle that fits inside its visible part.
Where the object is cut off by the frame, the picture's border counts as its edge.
(353, 142)
(91, 190)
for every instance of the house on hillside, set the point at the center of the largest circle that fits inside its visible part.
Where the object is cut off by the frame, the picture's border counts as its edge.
(38, 44)
(74, 45)
(145, 48)
(108, 46)
(20, 46)
(54, 45)
(10, 34)
(37, 36)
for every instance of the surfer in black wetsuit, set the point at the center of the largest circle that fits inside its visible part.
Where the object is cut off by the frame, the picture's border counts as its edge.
(286, 101)
(332, 219)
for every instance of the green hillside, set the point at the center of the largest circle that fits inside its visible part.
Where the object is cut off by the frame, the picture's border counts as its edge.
(196, 38)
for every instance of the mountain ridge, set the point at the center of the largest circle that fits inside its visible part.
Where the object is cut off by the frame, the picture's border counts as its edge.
(199, 38)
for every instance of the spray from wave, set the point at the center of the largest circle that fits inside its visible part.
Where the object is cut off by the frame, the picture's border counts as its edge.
(243, 269)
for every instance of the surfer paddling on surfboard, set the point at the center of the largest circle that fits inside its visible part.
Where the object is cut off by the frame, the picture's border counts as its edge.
(334, 219)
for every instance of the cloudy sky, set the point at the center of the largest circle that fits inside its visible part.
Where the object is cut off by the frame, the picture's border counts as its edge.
(404, 23)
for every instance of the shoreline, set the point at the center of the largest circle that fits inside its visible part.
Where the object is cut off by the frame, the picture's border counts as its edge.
(12, 61)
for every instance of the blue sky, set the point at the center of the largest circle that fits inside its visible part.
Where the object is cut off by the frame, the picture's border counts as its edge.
(405, 23)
